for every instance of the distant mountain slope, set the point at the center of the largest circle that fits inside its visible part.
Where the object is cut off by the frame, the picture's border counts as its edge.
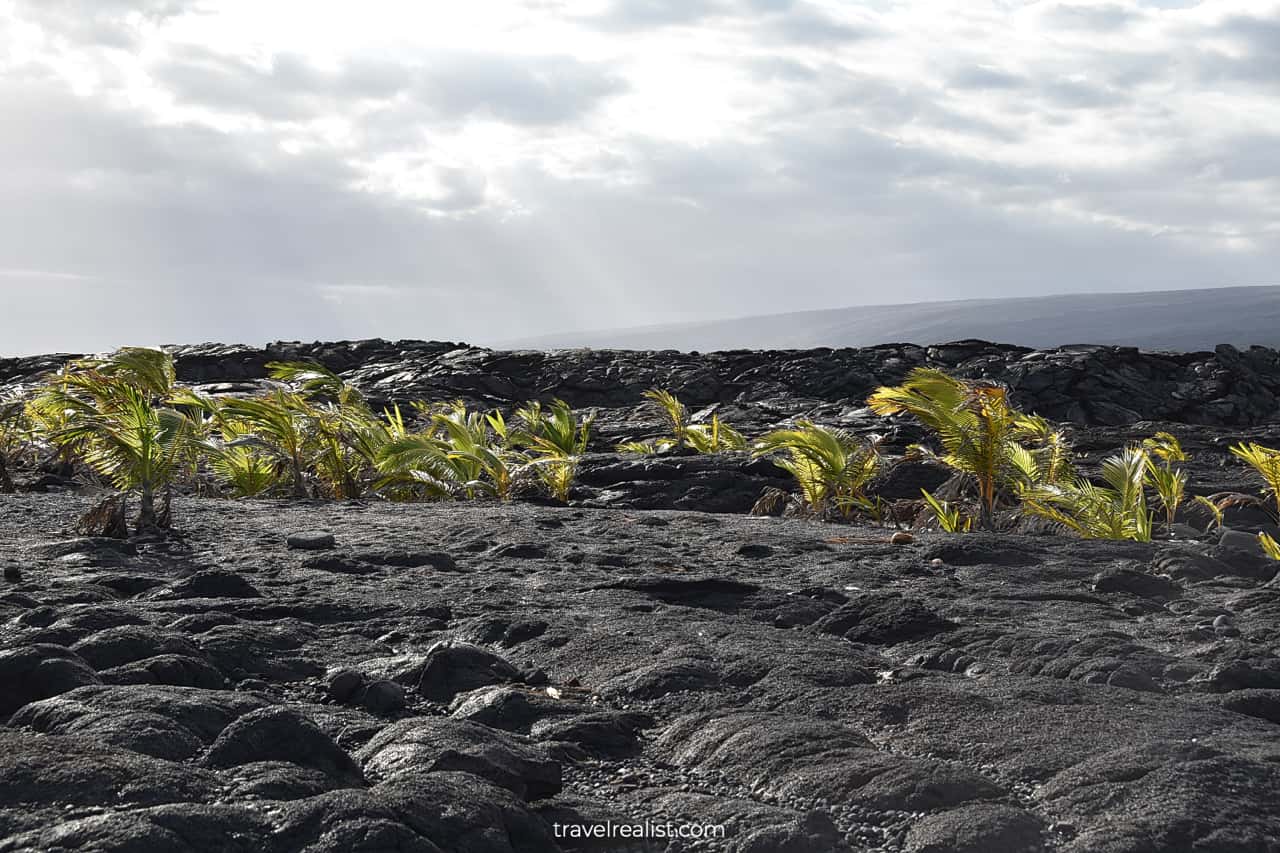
(1183, 320)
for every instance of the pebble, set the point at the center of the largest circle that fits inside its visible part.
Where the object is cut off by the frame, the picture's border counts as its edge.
(383, 697)
(310, 540)
(343, 684)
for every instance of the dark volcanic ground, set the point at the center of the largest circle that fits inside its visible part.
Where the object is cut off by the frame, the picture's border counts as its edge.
(808, 686)
(470, 677)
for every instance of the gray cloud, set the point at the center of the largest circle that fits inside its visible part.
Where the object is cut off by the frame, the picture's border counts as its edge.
(1065, 92)
(630, 15)
(493, 194)
(1106, 17)
(1259, 63)
(801, 23)
(288, 88)
(986, 77)
(522, 90)
(103, 23)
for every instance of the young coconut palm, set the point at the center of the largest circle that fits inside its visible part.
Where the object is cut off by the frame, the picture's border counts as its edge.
(1216, 516)
(673, 411)
(677, 418)
(280, 425)
(714, 437)
(949, 517)
(116, 416)
(249, 472)
(346, 434)
(483, 444)
(315, 381)
(557, 439)
(463, 454)
(982, 437)
(1116, 511)
(1164, 453)
(419, 464)
(233, 453)
(832, 467)
(1266, 462)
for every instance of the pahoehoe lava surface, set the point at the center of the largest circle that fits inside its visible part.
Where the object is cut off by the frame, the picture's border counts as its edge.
(475, 677)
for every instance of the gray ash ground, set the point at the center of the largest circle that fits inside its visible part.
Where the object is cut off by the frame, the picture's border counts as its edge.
(469, 677)
(465, 677)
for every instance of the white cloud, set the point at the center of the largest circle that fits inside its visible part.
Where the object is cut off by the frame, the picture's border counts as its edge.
(497, 169)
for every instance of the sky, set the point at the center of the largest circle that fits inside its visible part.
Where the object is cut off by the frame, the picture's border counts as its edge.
(196, 170)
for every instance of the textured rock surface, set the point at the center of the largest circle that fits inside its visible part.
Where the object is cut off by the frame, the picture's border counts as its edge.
(807, 686)
(1110, 395)
(477, 678)
(1107, 385)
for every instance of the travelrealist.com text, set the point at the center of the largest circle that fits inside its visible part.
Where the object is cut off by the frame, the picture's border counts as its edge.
(644, 829)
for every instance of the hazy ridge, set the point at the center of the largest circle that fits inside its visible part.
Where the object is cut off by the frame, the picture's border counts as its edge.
(1181, 320)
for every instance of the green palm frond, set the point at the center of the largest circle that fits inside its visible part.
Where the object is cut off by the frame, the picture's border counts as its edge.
(672, 410)
(316, 381)
(242, 463)
(113, 414)
(1215, 511)
(283, 424)
(647, 447)
(1115, 511)
(1269, 546)
(151, 370)
(1002, 450)
(832, 467)
(15, 434)
(556, 440)
(464, 453)
(1266, 462)
(949, 517)
(714, 437)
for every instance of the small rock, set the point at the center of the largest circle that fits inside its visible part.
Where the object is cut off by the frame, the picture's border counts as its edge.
(1135, 583)
(210, 583)
(39, 671)
(1239, 541)
(383, 697)
(343, 684)
(280, 734)
(451, 667)
(1222, 621)
(1184, 531)
(436, 745)
(902, 537)
(310, 540)
(534, 676)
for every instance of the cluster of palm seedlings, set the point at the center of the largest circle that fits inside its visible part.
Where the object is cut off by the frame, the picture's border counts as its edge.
(831, 467)
(124, 418)
(1008, 463)
(313, 435)
(714, 436)
(1266, 462)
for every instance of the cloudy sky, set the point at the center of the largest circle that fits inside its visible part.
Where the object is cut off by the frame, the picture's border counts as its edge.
(182, 170)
